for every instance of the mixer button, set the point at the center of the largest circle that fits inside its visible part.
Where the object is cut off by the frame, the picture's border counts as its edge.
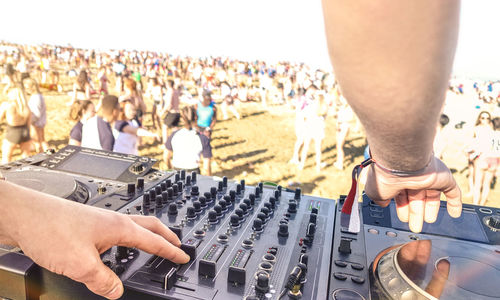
(224, 181)
(179, 186)
(262, 217)
(158, 190)
(343, 294)
(177, 231)
(190, 250)
(247, 244)
(176, 177)
(345, 246)
(257, 192)
(357, 279)
(170, 193)
(339, 276)
(248, 204)
(340, 263)
(168, 183)
(277, 195)
(239, 212)
(265, 211)
(208, 197)
(356, 266)
(199, 233)
(183, 174)
(222, 238)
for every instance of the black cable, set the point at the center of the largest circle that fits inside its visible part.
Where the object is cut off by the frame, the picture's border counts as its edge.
(291, 281)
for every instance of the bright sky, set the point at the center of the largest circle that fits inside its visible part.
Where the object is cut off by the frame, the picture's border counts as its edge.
(267, 29)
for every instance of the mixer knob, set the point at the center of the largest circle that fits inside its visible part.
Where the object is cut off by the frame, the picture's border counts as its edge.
(191, 212)
(194, 190)
(257, 192)
(283, 230)
(261, 186)
(232, 194)
(265, 211)
(164, 196)
(213, 192)
(223, 204)
(145, 200)
(292, 206)
(197, 206)
(183, 174)
(140, 183)
(247, 202)
(312, 218)
(494, 222)
(159, 201)
(179, 186)
(239, 212)
(131, 188)
(298, 191)
(193, 176)
(218, 210)
(121, 252)
(212, 216)
(235, 220)
(257, 225)
(176, 177)
(311, 230)
(220, 186)
(203, 201)
(137, 168)
(242, 183)
(277, 195)
(272, 200)
(158, 190)
(262, 216)
(208, 197)
(243, 207)
(101, 190)
(269, 206)
(262, 282)
(175, 187)
(188, 180)
(170, 193)
(280, 188)
(224, 181)
(238, 189)
(252, 199)
(163, 186)
(172, 209)
(168, 182)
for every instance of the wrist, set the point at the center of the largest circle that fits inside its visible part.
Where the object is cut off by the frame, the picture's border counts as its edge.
(402, 170)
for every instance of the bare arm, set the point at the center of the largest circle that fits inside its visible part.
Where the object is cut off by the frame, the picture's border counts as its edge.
(393, 60)
(139, 131)
(167, 157)
(207, 166)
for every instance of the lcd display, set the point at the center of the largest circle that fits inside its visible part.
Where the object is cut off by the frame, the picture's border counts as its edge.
(93, 165)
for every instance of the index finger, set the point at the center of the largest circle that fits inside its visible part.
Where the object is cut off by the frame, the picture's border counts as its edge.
(453, 199)
(155, 225)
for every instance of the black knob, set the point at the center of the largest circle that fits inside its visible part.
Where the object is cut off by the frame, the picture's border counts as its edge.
(212, 216)
(163, 186)
(238, 189)
(311, 230)
(277, 195)
(183, 174)
(220, 186)
(197, 206)
(164, 196)
(292, 206)
(208, 196)
(176, 177)
(272, 200)
(265, 211)
(252, 199)
(213, 192)
(262, 282)
(268, 206)
(179, 185)
(223, 204)
(280, 188)
(172, 209)
(191, 212)
(140, 183)
(193, 176)
(232, 194)
(227, 199)
(494, 222)
(168, 182)
(239, 212)
(170, 193)
(235, 220)
(262, 216)
(312, 218)
(158, 190)
(298, 191)
(152, 194)
(283, 230)
(203, 201)
(257, 192)
(194, 190)
(218, 209)
(247, 202)
(137, 168)
(242, 183)
(224, 181)
(243, 207)
(175, 187)
(257, 225)
(314, 210)
(131, 188)
(188, 180)
(304, 258)
(121, 252)
(145, 200)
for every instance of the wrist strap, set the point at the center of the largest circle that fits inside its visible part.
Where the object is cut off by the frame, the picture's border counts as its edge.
(400, 173)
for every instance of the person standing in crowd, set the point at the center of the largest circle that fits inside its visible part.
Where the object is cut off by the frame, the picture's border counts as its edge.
(17, 115)
(487, 152)
(206, 112)
(228, 100)
(169, 112)
(127, 130)
(38, 109)
(80, 111)
(186, 146)
(81, 88)
(131, 93)
(97, 131)
(155, 91)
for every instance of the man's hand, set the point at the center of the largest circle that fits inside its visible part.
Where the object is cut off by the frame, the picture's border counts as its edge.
(417, 197)
(67, 237)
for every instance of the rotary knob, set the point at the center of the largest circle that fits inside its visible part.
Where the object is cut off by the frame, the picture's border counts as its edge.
(292, 206)
(213, 192)
(172, 209)
(140, 183)
(235, 220)
(121, 252)
(212, 216)
(262, 282)
(194, 190)
(188, 180)
(493, 222)
(238, 189)
(242, 183)
(232, 195)
(224, 181)
(191, 212)
(197, 206)
(252, 199)
(283, 230)
(243, 207)
(223, 204)
(183, 174)
(257, 225)
(137, 168)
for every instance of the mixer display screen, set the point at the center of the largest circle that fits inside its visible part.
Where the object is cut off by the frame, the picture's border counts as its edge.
(95, 165)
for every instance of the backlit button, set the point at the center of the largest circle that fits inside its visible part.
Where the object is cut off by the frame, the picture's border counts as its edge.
(391, 234)
(339, 276)
(340, 263)
(373, 231)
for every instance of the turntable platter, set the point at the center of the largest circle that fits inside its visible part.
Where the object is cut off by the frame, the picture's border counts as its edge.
(48, 182)
(439, 269)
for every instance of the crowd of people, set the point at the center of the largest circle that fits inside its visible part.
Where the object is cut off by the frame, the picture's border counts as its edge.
(108, 91)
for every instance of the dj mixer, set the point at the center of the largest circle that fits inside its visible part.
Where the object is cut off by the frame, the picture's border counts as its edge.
(254, 242)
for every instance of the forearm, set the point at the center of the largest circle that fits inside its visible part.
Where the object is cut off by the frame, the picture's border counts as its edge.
(207, 168)
(144, 132)
(393, 60)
